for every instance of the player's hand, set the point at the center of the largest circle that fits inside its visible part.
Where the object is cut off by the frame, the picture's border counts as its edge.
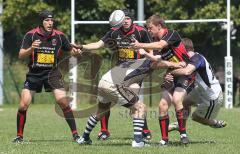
(179, 65)
(135, 44)
(77, 46)
(36, 44)
(168, 77)
(76, 52)
(182, 64)
(142, 52)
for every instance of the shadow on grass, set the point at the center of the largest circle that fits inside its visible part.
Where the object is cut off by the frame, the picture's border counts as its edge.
(178, 143)
(48, 140)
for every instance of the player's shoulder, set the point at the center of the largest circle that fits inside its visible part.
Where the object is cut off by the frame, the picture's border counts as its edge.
(58, 32)
(140, 28)
(32, 31)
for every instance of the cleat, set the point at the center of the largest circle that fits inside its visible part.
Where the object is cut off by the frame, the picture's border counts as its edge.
(82, 140)
(173, 127)
(163, 143)
(139, 145)
(219, 124)
(76, 138)
(18, 139)
(147, 136)
(103, 135)
(184, 139)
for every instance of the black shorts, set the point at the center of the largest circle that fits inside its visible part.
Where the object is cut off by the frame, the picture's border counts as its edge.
(185, 82)
(50, 80)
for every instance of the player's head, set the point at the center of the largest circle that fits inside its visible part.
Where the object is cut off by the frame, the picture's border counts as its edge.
(46, 20)
(188, 44)
(156, 25)
(129, 17)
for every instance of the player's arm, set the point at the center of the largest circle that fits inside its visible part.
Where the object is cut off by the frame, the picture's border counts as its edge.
(159, 63)
(67, 46)
(94, 46)
(153, 45)
(196, 61)
(188, 70)
(28, 46)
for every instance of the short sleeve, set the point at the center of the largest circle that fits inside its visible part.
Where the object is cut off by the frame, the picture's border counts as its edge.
(107, 36)
(196, 60)
(66, 45)
(27, 41)
(172, 38)
(146, 36)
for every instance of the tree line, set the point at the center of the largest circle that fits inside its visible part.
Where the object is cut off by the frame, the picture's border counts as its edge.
(19, 16)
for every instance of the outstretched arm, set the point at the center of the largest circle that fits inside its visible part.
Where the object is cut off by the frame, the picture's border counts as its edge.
(153, 45)
(159, 63)
(189, 69)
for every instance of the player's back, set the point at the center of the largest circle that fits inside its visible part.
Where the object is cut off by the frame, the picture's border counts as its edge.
(208, 84)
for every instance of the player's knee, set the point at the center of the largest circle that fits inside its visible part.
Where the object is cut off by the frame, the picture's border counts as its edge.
(24, 105)
(64, 102)
(177, 100)
(163, 105)
(139, 109)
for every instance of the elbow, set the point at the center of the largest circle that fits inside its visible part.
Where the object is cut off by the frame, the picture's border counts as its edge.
(188, 72)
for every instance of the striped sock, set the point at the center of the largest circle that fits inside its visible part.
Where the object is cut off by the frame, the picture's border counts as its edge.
(138, 127)
(91, 123)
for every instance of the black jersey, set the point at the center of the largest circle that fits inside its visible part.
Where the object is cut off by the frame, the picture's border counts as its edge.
(118, 40)
(175, 51)
(47, 55)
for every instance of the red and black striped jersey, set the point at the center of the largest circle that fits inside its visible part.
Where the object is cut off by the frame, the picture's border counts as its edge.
(175, 51)
(118, 40)
(48, 54)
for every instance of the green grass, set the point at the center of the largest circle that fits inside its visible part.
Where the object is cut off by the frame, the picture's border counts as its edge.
(46, 132)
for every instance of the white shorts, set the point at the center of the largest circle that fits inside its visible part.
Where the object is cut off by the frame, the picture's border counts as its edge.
(206, 108)
(109, 92)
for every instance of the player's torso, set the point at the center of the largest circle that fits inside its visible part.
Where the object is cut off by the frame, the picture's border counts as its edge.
(207, 82)
(46, 56)
(175, 51)
(129, 69)
(123, 41)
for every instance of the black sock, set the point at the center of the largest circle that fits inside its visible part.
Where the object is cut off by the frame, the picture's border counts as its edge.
(68, 114)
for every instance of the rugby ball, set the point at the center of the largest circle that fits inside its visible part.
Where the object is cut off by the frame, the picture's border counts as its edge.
(116, 18)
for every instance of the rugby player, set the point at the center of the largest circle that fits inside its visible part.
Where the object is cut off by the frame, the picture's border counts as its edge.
(170, 47)
(120, 85)
(207, 94)
(118, 41)
(43, 45)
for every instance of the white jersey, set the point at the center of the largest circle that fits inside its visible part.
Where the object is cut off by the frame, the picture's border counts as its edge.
(128, 72)
(208, 85)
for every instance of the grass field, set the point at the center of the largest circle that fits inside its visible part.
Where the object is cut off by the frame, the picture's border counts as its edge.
(46, 132)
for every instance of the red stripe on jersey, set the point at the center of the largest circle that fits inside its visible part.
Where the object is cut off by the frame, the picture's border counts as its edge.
(180, 52)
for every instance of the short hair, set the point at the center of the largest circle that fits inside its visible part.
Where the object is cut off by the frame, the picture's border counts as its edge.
(188, 44)
(156, 20)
